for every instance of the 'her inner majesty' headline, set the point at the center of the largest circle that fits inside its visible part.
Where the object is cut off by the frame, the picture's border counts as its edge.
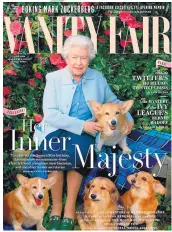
(104, 163)
(151, 28)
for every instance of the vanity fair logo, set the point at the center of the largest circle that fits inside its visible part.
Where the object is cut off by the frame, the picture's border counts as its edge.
(115, 33)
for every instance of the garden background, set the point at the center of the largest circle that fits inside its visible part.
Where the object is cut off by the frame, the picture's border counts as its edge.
(24, 82)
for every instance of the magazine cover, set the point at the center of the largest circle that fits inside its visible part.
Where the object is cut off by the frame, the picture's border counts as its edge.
(86, 106)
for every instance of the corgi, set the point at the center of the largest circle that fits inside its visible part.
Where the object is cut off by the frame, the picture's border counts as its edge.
(27, 204)
(112, 117)
(100, 205)
(140, 200)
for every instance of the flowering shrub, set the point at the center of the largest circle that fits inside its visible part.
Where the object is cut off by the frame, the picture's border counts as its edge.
(37, 118)
(55, 58)
(6, 91)
(16, 28)
(24, 80)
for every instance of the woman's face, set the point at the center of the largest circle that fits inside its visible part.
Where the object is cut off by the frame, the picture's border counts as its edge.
(77, 60)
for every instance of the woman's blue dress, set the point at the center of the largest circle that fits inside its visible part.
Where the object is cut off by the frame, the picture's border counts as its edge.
(69, 159)
(57, 159)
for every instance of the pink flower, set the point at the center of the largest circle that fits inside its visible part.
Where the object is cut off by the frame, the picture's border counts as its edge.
(10, 72)
(80, 25)
(32, 82)
(63, 19)
(4, 100)
(38, 56)
(5, 62)
(23, 44)
(101, 40)
(38, 118)
(38, 75)
(55, 58)
(140, 25)
(130, 40)
(124, 16)
(107, 32)
(108, 13)
(61, 64)
(15, 53)
(16, 27)
(85, 3)
(18, 10)
(7, 44)
(124, 43)
(67, 33)
(132, 23)
(6, 91)
(43, 62)
(19, 44)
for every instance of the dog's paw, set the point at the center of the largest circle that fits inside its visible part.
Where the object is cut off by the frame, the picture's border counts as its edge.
(126, 150)
(78, 216)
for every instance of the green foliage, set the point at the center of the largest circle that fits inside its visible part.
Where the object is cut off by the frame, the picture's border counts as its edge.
(9, 174)
(164, 208)
(118, 69)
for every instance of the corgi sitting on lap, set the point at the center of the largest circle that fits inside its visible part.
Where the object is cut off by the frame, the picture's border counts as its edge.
(27, 204)
(112, 117)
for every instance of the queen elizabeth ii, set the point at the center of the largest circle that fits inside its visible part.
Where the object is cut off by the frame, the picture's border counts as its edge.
(67, 114)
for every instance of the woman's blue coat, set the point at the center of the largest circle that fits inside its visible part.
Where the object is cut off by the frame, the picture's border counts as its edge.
(57, 100)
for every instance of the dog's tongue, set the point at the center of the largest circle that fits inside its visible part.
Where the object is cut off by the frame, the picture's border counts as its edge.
(38, 201)
(112, 127)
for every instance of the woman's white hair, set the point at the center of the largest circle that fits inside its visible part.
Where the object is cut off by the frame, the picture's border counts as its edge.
(78, 41)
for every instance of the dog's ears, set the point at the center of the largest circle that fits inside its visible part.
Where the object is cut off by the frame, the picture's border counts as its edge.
(114, 195)
(87, 189)
(126, 106)
(158, 187)
(50, 182)
(22, 179)
(96, 107)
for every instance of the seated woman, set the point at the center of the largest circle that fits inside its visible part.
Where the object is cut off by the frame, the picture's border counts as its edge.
(67, 114)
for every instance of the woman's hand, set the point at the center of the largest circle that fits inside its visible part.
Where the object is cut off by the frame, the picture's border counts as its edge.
(92, 127)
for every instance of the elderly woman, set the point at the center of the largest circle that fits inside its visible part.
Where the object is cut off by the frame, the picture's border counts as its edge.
(67, 114)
